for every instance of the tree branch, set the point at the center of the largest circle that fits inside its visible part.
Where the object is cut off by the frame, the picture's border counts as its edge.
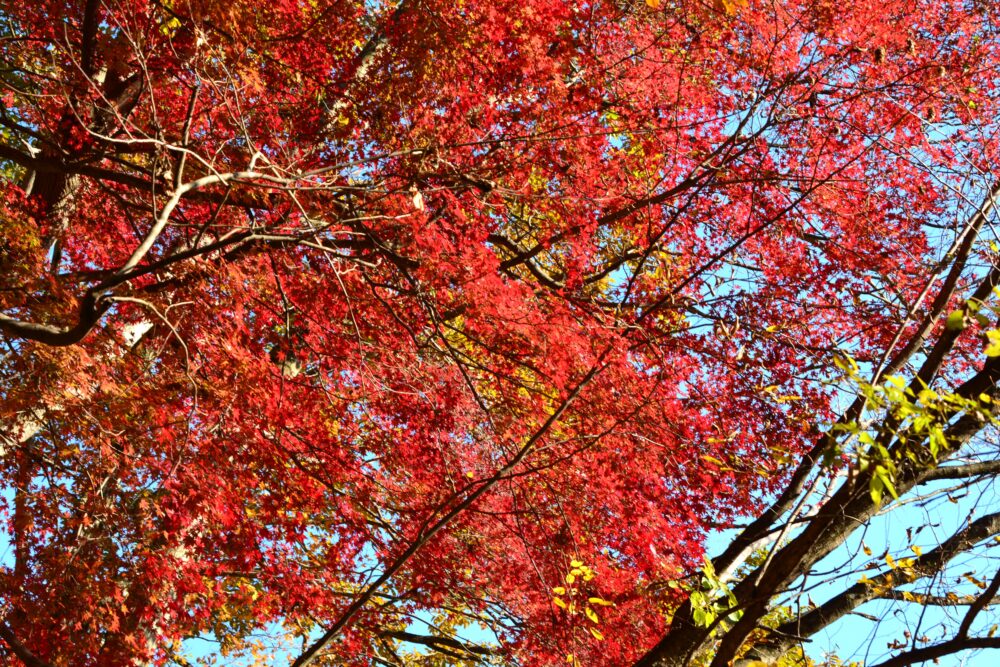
(939, 650)
(927, 564)
(92, 307)
(963, 471)
(433, 641)
(20, 650)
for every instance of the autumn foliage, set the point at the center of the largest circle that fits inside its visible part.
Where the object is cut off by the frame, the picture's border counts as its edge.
(326, 316)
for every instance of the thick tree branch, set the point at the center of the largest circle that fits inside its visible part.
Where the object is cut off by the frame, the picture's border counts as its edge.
(434, 642)
(90, 21)
(92, 307)
(925, 599)
(20, 650)
(965, 471)
(928, 653)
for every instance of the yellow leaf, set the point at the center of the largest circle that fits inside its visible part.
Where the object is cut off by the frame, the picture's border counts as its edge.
(570, 578)
(559, 590)
(559, 603)
(600, 602)
(866, 549)
(889, 561)
(575, 563)
(993, 349)
(653, 4)
(591, 615)
(597, 633)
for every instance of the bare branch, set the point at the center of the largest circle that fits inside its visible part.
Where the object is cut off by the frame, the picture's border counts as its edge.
(927, 653)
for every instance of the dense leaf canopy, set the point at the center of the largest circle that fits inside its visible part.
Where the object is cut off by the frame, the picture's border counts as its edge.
(323, 316)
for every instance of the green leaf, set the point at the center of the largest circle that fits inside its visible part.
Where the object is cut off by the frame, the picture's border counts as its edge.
(956, 321)
(875, 489)
(886, 478)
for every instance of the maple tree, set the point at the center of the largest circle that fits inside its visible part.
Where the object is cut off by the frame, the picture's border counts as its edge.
(357, 324)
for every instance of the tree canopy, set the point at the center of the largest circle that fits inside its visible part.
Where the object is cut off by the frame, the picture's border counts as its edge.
(333, 329)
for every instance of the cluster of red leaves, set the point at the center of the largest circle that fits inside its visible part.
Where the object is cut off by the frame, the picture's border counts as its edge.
(681, 209)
